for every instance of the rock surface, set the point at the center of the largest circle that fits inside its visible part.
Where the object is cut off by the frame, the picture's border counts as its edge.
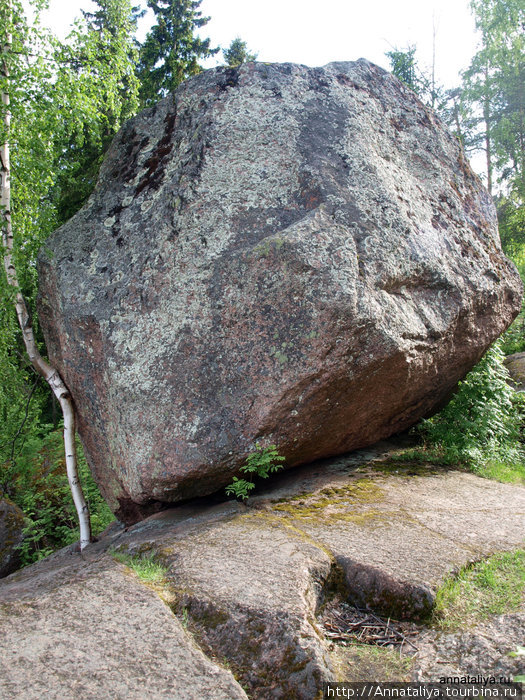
(11, 536)
(248, 586)
(516, 366)
(92, 630)
(485, 648)
(275, 253)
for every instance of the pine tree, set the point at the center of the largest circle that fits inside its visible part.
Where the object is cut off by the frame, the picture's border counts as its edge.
(494, 92)
(171, 51)
(494, 88)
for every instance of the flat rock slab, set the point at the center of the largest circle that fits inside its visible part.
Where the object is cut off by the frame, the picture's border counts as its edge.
(483, 648)
(94, 631)
(248, 582)
(398, 535)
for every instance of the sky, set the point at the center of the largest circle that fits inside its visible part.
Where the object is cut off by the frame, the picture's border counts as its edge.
(330, 30)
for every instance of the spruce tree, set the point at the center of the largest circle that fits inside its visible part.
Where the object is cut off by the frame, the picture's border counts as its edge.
(171, 51)
(238, 53)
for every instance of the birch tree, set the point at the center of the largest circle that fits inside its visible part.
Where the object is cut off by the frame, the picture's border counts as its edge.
(12, 24)
(60, 105)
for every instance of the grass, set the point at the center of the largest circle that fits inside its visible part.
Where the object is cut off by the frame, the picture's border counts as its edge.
(429, 458)
(145, 565)
(361, 662)
(490, 587)
(504, 472)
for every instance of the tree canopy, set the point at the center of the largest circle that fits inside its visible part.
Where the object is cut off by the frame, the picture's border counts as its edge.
(487, 111)
(61, 102)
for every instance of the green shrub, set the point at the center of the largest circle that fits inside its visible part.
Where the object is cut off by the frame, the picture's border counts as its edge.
(481, 426)
(260, 463)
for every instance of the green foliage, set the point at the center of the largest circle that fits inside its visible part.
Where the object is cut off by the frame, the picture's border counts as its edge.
(240, 488)
(66, 102)
(511, 221)
(481, 426)
(98, 74)
(261, 463)
(493, 90)
(490, 587)
(238, 53)
(404, 66)
(145, 565)
(171, 51)
(55, 160)
(36, 480)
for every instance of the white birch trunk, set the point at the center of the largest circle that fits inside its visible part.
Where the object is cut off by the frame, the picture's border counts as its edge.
(41, 366)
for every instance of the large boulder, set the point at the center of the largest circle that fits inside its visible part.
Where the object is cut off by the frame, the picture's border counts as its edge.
(274, 253)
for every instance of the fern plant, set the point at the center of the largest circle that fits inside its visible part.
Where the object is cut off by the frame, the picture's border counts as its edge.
(262, 463)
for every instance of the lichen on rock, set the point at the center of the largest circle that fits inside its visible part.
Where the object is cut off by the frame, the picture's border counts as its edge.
(290, 255)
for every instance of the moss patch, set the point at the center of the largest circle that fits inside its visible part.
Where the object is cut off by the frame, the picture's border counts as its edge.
(405, 467)
(335, 503)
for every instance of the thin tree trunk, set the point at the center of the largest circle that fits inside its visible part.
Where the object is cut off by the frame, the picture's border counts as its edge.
(458, 122)
(41, 366)
(433, 88)
(488, 135)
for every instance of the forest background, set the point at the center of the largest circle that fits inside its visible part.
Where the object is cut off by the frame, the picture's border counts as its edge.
(69, 97)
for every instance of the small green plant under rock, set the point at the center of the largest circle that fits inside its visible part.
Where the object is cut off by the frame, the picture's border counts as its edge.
(261, 463)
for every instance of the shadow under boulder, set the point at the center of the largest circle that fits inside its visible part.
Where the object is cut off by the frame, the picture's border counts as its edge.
(11, 536)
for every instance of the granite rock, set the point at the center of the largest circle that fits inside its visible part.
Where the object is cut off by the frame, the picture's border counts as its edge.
(515, 365)
(275, 254)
